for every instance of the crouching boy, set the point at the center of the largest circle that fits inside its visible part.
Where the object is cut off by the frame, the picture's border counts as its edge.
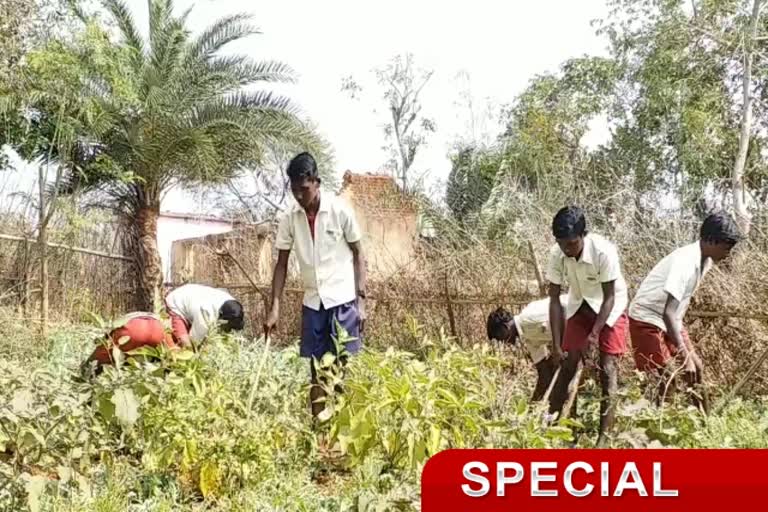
(531, 328)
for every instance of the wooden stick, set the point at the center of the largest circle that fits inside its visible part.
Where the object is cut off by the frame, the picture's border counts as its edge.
(545, 399)
(573, 388)
(257, 375)
(72, 248)
(736, 314)
(537, 270)
(735, 389)
(451, 317)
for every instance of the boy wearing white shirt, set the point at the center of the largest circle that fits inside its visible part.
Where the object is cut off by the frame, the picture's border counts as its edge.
(323, 232)
(595, 314)
(531, 327)
(657, 311)
(195, 308)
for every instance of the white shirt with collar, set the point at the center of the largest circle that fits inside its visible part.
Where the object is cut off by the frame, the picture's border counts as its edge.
(599, 263)
(199, 306)
(533, 328)
(326, 266)
(678, 274)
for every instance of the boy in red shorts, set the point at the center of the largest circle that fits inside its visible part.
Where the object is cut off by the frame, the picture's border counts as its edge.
(595, 314)
(657, 311)
(139, 329)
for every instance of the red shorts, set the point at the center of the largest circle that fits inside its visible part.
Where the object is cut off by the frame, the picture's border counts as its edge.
(613, 339)
(653, 348)
(141, 331)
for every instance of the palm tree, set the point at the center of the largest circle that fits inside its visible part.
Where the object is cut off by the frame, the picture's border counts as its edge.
(178, 113)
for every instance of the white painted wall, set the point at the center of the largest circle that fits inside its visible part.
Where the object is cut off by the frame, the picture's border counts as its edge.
(170, 229)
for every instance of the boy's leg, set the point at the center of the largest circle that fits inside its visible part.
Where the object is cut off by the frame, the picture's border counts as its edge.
(315, 334)
(577, 329)
(316, 391)
(609, 382)
(613, 344)
(347, 317)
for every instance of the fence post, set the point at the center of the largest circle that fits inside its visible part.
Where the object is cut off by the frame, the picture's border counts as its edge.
(26, 277)
(451, 317)
(537, 270)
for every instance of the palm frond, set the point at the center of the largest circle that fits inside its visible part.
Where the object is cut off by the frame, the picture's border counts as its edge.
(263, 100)
(125, 22)
(167, 49)
(245, 71)
(222, 32)
(160, 14)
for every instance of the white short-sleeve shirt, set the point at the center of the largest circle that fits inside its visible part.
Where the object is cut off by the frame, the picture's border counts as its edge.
(199, 305)
(327, 272)
(599, 263)
(678, 274)
(534, 329)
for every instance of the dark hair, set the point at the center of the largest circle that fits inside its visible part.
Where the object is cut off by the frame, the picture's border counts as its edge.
(497, 322)
(302, 166)
(232, 312)
(569, 222)
(720, 228)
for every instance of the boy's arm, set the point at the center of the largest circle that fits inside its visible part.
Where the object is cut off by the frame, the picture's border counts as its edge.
(556, 321)
(283, 244)
(179, 329)
(609, 273)
(675, 331)
(609, 300)
(278, 285)
(354, 235)
(358, 263)
(556, 278)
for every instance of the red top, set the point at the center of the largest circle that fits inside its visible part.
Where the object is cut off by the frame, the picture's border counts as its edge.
(311, 219)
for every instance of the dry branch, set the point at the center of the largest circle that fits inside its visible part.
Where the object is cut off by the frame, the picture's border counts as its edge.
(68, 248)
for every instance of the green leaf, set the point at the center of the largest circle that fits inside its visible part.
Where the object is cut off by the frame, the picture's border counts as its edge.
(126, 407)
(327, 360)
(123, 340)
(117, 356)
(35, 486)
(106, 408)
(210, 479)
(325, 414)
(22, 401)
(65, 474)
(434, 439)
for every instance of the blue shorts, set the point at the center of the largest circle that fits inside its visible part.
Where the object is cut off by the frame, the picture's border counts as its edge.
(318, 329)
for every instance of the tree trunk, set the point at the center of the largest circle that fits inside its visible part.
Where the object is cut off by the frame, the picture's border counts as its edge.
(737, 176)
(42, 242)
(148, 258)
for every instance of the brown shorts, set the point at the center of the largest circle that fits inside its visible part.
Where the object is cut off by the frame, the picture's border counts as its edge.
(653, 348)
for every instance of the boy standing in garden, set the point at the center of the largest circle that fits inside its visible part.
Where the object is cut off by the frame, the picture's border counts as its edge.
(324, 233)
(594, 317)
(657, 311)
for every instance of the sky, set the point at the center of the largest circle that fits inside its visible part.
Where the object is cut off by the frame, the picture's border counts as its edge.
(489, 49)
(498, 46)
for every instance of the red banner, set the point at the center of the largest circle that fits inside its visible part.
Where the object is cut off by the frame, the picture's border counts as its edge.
(669, 480)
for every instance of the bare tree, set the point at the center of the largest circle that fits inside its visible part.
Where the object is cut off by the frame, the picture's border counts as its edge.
(407, 128)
